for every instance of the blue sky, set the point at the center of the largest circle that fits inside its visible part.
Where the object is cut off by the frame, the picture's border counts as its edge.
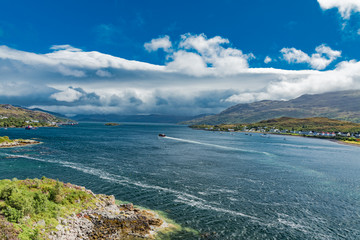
(188, 57)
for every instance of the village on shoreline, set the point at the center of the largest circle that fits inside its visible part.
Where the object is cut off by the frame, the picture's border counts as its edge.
(342, 131)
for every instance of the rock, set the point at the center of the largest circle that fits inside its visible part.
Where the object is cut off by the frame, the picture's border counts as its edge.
(128, 207)
(41, 223)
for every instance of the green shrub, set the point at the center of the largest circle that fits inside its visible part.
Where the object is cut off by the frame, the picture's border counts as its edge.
(55, 193)
(12, 214)
(40, 202)
(6, 192)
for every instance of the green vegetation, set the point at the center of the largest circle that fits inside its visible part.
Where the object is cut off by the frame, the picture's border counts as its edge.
(6, 142)
(335, 105)
(317, 124)
(5, 139)
(31, 207)
(11, 116)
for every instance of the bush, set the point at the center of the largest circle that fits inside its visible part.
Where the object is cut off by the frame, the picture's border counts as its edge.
(12, 214)
(6, 192)
(55, 193)
(40, 203)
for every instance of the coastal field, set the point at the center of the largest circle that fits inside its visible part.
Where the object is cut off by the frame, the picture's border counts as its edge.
(222, 185)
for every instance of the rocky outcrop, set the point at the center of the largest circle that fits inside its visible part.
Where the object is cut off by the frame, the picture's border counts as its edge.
(109, 221)
(18, 143)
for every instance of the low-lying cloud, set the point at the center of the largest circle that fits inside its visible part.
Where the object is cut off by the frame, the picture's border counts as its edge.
(200, 75)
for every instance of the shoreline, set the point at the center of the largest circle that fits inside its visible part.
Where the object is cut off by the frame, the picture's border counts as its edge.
(348, 143)
(343, 142)
(69, 211)
(19, 143)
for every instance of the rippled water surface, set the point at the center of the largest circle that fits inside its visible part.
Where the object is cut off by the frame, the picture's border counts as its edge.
(224, 185)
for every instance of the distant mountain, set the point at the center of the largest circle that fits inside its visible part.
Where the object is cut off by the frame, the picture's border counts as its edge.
(52, 113)
(11, 116)
(343, 105)
(153, 118)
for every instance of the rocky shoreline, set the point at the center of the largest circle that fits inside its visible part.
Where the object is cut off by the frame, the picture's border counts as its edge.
(18, 143)
(109, 221)
(49, 209)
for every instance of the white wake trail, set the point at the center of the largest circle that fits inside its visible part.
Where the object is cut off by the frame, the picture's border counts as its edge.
(215, 145)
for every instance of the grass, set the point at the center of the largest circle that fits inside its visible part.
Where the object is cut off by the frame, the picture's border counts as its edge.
(29, 208)
(27, 204)
(5, 139)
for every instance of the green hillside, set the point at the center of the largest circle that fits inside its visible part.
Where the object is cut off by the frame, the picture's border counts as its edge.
(47, 209)
(11, 116)
(344, 105)
(317, 124)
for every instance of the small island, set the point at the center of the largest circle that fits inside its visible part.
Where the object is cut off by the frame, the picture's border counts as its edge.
(6, 142)
(48, 209)
(112, 124)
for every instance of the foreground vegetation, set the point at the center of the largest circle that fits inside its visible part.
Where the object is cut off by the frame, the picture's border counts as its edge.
(31, 207)
(48, 209)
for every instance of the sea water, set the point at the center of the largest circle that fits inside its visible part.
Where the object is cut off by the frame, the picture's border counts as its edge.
(223, 185)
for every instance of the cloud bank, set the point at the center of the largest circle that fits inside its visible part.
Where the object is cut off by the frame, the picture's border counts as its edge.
(200, 75)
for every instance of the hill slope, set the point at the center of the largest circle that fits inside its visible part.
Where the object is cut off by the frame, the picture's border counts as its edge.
(317, 124)
(11, 116)
(344, 105)
(49, 209)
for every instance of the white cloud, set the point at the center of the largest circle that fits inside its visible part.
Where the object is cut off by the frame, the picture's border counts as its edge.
(267, 59)
(71, 61)
(189, 63)
(345, 7)
(293, 55)
(320, 60)
(159, 43)
(208, 56)
(201, 75)
(346, 76)
(68, 95)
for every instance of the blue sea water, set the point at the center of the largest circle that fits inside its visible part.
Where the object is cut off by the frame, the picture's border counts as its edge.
(224, 185)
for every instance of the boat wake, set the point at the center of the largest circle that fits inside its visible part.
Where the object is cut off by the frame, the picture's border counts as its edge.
(181, 197)
(216, 146)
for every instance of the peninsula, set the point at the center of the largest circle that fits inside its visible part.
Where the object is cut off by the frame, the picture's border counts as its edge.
(49, 209)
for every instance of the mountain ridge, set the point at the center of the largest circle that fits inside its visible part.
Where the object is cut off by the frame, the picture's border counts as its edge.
(342, 105)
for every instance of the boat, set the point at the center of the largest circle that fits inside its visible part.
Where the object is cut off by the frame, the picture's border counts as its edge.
(29, 127)
(162, 135)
